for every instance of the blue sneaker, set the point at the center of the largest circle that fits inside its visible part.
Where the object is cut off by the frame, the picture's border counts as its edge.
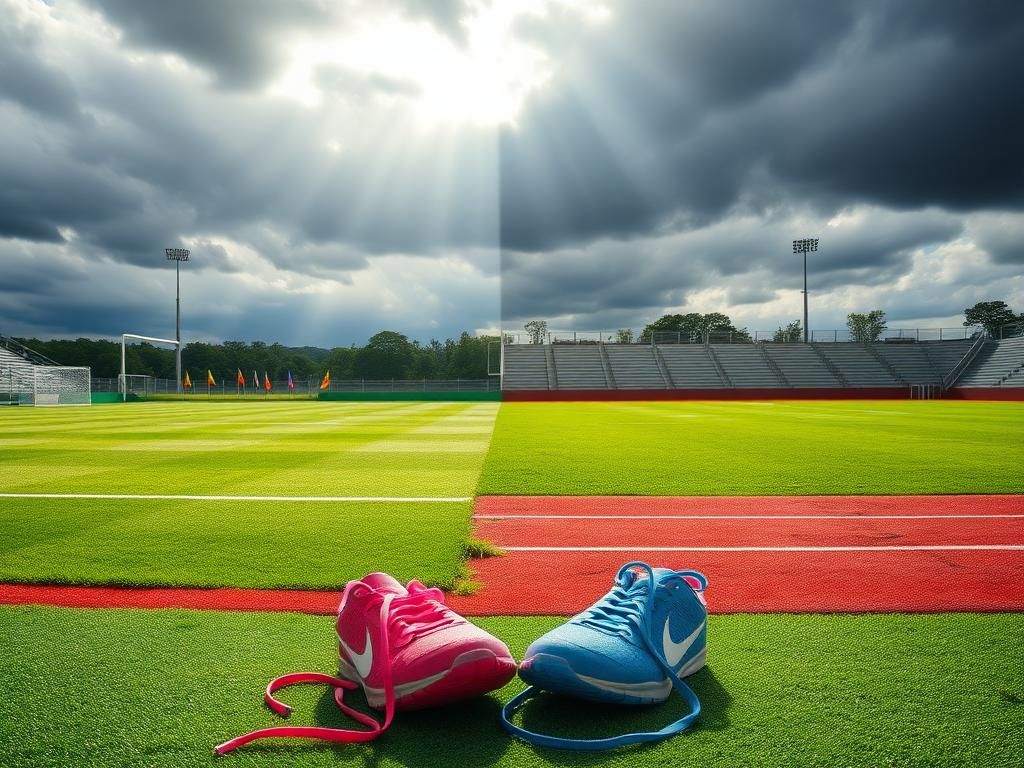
(631, 647)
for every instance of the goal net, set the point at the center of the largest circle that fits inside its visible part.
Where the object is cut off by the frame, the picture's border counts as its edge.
(135, 384)
(143, 354)
(54, 385)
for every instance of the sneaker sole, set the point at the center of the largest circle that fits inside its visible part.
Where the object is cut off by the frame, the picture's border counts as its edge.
(471, 674)
(555, 674)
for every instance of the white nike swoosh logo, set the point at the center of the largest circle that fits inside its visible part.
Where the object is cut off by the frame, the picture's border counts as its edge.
(674, 651)
(363, 662)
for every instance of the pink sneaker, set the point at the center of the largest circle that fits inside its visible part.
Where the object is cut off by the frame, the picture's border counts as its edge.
(406, 643)
(406, 648)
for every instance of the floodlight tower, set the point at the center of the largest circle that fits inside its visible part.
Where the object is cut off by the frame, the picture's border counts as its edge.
(803, 246)
(177, 255)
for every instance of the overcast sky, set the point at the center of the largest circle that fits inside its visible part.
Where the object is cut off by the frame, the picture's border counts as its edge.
(338, 168)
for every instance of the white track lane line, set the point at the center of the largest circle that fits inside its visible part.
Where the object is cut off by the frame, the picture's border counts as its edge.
(910, 548)
(170, 497)
(739, 517)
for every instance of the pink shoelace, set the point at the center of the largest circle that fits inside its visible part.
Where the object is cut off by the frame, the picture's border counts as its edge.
(340, 686)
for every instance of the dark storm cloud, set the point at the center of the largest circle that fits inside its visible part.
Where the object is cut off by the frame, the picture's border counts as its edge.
(238, 40)
(1001, 236)
(27, 79)
(869, 248)
(675, 149)
(43, 189)
(907, 105)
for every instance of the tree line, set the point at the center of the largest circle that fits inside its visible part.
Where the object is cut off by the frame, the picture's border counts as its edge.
(862, 326)
(386, 355)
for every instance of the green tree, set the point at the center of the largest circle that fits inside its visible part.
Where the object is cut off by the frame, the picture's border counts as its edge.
(538, 330)
(991, 315)
(624, 335)
(469, 357)
(387, 355)
(341, 363)
(866, 327)
(793, 332)
(695, 327)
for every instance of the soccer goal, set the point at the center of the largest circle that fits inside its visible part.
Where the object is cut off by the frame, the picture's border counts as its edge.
(54, 385)
(137, 384)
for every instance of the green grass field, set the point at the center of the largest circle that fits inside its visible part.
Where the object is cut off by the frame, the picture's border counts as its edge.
(306, 448)
(239, 449)
(774, 449)
(160, 688)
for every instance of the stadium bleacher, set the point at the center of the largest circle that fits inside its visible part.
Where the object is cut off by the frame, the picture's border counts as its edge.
(801, 365)
(998, 364)
(580, 366)
(857, 365)
(634, 366)
(745, 365)
(15, 374)
(601, 366)
(690, 367)
(526, 367)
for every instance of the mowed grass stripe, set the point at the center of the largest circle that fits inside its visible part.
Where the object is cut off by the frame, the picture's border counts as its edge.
(126, 688)
(292, 499)
(262, 545)
(303, 449)
(308, 449)
(774, 449)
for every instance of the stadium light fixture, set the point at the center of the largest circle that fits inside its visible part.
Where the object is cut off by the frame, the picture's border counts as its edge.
(803, 246)
(177, 255)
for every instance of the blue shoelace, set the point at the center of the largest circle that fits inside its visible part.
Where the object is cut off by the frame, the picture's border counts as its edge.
(619, 612)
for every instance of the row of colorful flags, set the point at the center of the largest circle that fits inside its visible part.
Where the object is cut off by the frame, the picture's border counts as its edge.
(211, 382)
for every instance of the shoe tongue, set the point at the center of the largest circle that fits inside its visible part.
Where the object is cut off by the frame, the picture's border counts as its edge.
(382, 582)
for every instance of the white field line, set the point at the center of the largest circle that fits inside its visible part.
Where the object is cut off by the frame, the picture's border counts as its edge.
(909, 548)
(741, 517)
(177, 497)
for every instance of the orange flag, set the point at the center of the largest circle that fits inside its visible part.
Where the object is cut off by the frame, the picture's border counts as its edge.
(209, 378)
(241, 378)
(327, 380)
(187, 383)
(266, 381)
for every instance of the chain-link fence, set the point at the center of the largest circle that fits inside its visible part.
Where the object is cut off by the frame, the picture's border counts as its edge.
(144, 386)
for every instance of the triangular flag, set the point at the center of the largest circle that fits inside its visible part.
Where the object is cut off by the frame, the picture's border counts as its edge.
(209, 378)
(266, 381)
(327, 380)
(187, 382)
(255, 379)
(291, 384)
(241, 378)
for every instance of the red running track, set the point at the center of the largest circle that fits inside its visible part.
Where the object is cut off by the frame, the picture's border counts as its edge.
(878, 570)
(761, 554)
(720, 506)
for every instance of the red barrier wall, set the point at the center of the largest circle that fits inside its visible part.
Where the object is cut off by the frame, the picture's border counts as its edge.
(983, 393)
(795, 393)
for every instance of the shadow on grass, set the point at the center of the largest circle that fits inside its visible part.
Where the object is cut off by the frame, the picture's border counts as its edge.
(578, 719)
(467, 733)
(470, 732)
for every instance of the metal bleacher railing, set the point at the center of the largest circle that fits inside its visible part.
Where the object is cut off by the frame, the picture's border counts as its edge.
(632, 336)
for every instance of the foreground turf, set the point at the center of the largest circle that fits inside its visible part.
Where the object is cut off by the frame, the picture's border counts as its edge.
(779, 448)
(248, 450)
(160, 688)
